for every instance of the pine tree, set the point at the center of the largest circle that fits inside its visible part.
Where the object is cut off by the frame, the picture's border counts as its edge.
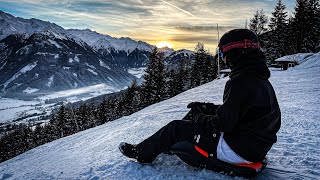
(212, 68)
(300, 25)
(101, 112)
(199, 69)
(81, 115)
(312, 42)
(279, 17)
(277, 40)
(170, 83)
(91, 112)
(130, 98)
(110, 110)
(28, 139)
(53, 128)
(258, 22)
(63, 122)
(290, 47)
(181, 77)
(153, 87)
(38, 135)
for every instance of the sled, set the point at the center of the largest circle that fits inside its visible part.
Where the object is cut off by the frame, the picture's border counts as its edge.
(195, 156)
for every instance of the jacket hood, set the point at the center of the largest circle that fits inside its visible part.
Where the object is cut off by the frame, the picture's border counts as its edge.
(252, 63)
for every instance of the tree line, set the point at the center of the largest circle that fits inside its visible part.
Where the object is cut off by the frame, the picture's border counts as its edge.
(285, 34)
(161, 82)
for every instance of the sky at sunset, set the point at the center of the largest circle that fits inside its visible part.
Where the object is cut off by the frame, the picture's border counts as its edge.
(181, 23)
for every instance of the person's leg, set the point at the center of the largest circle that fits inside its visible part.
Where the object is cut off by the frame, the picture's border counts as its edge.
(162, 140)
(187, 152)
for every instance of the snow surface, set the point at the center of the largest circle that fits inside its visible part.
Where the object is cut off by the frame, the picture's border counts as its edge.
(10, 109)
(55, 43)
(8, 115)
(49, 83)
(137, 72)
(298, 58)
(4, 63)
(25, 69)
(94, 154)
(92, 71)
(76, 59)
(95, 89)
(103, 64)
(71, 60)
(66, 68)
(30, 90)
(91, 66)
(6, 103)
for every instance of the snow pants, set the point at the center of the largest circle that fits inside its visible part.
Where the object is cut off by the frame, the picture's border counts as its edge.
(184, 138)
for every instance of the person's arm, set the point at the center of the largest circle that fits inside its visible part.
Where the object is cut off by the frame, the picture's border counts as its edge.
(229, 113)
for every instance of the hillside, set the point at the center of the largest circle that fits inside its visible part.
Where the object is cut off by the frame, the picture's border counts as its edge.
(93, 154)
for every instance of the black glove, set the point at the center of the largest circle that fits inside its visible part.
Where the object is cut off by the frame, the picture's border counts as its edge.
(207, 122)
(206, 108)
(194, 104)
(197, 114)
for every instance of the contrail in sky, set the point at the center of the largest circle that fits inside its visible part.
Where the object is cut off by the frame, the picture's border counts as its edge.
(184, 11)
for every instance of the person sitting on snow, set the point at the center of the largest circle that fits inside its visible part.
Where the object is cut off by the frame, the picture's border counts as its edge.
(240, 131)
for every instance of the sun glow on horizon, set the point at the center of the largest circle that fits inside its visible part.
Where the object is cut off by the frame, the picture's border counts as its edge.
(164, 44)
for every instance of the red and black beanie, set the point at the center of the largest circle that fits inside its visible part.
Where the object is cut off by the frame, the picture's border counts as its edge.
(238, 39)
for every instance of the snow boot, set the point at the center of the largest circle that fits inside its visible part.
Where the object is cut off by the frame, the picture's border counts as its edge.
(128, 150)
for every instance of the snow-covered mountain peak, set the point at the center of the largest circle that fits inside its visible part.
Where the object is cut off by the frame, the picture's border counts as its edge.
(102, 41)
(185, 52)
(16, 25)
(166, 51)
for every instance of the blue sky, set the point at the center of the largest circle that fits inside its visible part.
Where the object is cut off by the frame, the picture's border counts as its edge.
(180, 22)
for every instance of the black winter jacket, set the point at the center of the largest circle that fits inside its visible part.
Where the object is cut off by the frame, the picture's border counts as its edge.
(250, 115)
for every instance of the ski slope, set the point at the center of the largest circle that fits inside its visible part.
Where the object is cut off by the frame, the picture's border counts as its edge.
(93, 154)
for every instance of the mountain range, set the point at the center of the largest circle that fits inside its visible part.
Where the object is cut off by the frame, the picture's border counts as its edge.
(39, 57)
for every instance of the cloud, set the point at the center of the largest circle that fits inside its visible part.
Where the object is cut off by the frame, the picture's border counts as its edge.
(183, 22)
(205, 28)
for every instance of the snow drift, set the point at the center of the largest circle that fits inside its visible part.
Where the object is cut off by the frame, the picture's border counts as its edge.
(93, 154)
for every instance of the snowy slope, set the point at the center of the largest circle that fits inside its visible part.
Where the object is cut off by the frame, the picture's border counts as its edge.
(298, 58)
(93, 154)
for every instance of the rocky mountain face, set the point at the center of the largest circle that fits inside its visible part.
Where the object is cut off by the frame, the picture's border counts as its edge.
(39, 57)
(42, 63)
